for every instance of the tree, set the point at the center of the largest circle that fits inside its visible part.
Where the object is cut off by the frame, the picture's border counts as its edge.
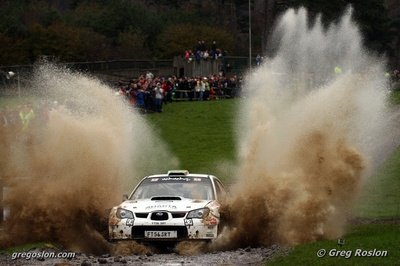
(131, 44)
(13, 50)
(67, 43)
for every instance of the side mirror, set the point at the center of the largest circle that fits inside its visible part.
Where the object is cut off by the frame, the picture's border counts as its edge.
(124, 197)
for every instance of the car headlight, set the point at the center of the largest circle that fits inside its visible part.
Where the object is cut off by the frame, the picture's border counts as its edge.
(124, 214)
(198, 213)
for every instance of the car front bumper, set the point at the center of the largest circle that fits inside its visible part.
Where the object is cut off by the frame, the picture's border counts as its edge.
(186, 229)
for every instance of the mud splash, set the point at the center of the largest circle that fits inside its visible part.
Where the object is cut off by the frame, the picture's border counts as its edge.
(313, 123)
(128, 248)
(73, 162)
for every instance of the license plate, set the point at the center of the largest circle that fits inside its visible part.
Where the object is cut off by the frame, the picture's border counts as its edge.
(160, 234)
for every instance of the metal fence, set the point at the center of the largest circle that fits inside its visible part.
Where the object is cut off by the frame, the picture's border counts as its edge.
(120, 64)
(238, 64)
(110, 70)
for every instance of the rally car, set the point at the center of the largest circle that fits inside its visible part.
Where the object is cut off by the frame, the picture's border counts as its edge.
(174, 206)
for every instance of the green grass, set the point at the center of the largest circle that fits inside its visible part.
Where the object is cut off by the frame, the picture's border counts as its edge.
(381, 193)
(395, 94)
(364, 237)
(200, 134)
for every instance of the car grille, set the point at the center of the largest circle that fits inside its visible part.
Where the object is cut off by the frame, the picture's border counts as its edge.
(178, 214)
(138, 231)
(159, 216)
(141, 214)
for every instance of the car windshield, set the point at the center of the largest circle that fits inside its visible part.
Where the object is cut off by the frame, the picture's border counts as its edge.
(187, 187)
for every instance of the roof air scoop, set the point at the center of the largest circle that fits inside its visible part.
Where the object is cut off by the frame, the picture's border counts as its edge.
(178, 172)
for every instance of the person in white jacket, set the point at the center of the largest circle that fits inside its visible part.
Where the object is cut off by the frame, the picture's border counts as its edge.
(158, 96)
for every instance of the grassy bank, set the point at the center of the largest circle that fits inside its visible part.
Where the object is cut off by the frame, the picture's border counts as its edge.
(380, 196)
(200, 134)
(362, 237)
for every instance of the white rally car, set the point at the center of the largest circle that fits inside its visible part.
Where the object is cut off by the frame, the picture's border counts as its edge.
(174, 206)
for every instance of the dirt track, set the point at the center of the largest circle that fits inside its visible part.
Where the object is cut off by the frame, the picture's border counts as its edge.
(247, 256)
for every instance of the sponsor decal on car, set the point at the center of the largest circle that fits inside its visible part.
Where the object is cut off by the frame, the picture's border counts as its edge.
(161, 206)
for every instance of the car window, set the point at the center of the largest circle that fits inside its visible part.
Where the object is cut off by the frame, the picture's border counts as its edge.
(219, 189)
(192, 188)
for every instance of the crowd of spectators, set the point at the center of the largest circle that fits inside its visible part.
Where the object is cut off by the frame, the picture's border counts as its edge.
(149, 93)
(203, 52)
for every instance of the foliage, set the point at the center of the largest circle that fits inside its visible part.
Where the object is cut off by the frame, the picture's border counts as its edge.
(12, 50)
(370, 15)
(374, 22)
(82, 30)
(131, 44)
(68, 43)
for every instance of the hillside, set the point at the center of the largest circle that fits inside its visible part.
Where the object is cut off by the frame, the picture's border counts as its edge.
(92, 30)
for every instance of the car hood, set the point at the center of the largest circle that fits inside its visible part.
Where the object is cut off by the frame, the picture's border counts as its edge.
(149, 205)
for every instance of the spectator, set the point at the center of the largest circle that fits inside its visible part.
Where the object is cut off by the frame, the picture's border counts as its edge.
(198, 56)
(140, 95)
(206, 55)
(214, 46)
(149, 75)
(259, 60)
(188, 56)
(158, 96)
(202, 88)
(198, 47)
(27, 115)
(167, 88)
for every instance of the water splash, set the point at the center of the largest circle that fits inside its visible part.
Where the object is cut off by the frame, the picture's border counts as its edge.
(313, 125)
(76, 164)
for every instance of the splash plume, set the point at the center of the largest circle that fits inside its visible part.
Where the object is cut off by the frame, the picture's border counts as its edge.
(76, 164)
(309, 135)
